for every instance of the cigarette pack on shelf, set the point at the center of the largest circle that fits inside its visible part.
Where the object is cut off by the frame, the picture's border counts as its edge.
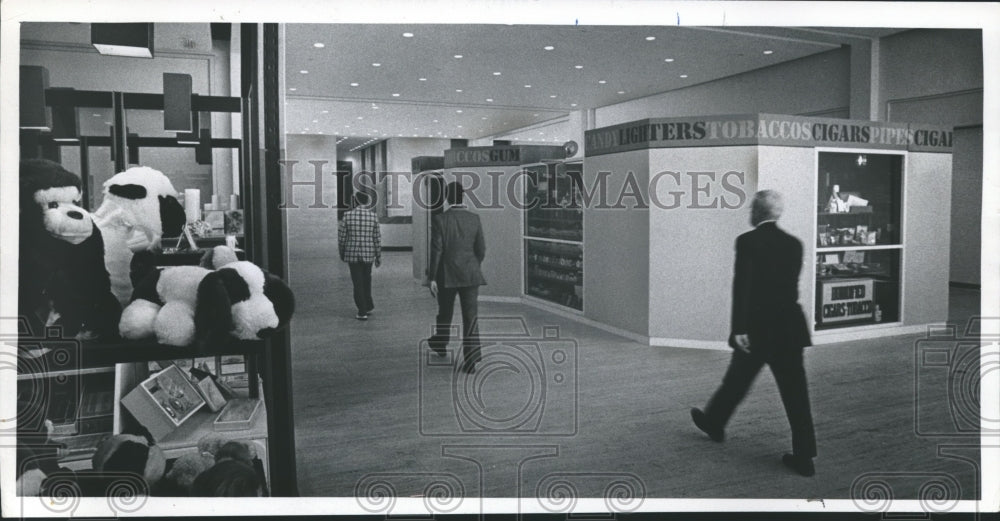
(162, 402)
(237, 415)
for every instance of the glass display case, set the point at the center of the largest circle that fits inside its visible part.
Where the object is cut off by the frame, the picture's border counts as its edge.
(553, 233)
(858, 239)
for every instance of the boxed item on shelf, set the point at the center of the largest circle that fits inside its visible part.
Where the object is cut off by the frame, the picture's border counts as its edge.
(97, 408)
(237, 415)
(162, 402)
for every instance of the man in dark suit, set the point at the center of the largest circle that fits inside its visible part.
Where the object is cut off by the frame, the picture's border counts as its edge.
(768, 327)
(457, 250)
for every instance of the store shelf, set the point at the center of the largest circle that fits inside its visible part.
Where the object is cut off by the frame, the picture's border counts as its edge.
(859, 247)
(536, 276)
(187, 435)
(93, 355)
(574, 268)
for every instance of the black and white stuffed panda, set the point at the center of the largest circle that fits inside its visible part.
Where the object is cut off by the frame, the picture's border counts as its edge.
(139, 208)
(62, 279)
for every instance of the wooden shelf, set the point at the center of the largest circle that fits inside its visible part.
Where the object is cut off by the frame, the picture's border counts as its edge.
(101, 354)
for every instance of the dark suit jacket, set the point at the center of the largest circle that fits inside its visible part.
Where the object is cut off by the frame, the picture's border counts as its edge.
(766, 291)
(457, 249)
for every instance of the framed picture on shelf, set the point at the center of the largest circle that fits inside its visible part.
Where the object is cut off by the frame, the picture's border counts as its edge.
(233, 222)
(216, 220)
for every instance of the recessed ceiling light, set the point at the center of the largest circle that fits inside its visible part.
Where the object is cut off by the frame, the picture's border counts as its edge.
(459, 111)
(315, 121)
(490, 100)
(497, 73)
(354, 84)
(293, 89)
(527, 86)
(303, 71)
(460, 126)
(602, 82)
(423, 79)
(572, 104)
(435, 121)
(534, 114)
(96, 115)
(376, 65)
(768, 52)
(621, 92)
(361, 117)
(578, 66)
(320, 132)
(458, 90)
(307, 128)
(484, 117)
(668, 60)
(347, 126)
(684, 75)
(395, 94)
(407, 35)
(458, 56)
(326, 112)
(650, 38)
(552, 95)
(319, 45)
(548, 47)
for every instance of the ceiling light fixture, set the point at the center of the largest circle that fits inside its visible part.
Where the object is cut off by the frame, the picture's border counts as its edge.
(354, 84)
(650, 38)
(578, 66)
(326, 112)
(527, 86)
(621, 92)
(602, 82)
(376, 65)
(458, 90)
(572, 104)
(490, 100)
(684, 75)
(319, 45)
(552, 95)
(435, 121)
(548, 47)
(458, 56)
(769, 52)
(395, 94)
(303, 72)
(668, 60)
(293, 89)
(423, 79)
(497, 73)
(459, 111)
(407, 35)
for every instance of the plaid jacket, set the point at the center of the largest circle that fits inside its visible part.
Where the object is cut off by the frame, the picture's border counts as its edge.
(358, 237)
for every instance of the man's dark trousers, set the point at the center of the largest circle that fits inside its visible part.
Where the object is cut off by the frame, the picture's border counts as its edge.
(361, 278)
(469, 300)
(790, 376)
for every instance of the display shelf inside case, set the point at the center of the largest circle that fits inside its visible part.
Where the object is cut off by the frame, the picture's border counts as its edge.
(552, 193)
(554, 272)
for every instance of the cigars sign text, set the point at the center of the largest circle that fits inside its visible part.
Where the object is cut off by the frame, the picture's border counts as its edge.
(766, 129)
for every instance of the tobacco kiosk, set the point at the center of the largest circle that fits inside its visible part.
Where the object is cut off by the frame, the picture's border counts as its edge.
(870, 202)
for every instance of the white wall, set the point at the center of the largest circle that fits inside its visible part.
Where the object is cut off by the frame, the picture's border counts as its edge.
(936, 76)
(815, 84)
(691, 250)
(312, 232)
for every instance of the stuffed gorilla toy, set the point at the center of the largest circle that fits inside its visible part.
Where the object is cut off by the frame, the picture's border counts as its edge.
(180, 305)
(139, 207)
(62, 278)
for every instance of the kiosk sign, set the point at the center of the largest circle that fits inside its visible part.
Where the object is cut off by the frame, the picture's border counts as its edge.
(846, 300)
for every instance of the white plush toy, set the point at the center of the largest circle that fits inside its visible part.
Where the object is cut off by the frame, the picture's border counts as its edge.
(139, 206)
(184, 304)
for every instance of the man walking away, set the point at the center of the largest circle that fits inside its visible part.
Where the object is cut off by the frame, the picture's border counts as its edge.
(457, 250)
(359, 241)
(768, 327)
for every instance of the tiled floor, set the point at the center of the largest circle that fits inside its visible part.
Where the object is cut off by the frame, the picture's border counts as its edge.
(370, 405)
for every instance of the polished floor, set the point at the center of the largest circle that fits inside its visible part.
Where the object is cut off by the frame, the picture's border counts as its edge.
(574, 406)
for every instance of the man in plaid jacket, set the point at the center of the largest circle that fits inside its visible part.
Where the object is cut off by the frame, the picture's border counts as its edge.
(359, 241)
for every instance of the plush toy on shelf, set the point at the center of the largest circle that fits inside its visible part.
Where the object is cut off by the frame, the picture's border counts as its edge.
(62, 278)
(185, 304)
(139, 207)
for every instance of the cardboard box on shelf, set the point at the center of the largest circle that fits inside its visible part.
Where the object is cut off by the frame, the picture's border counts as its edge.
(237, 415)
(162, 402)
